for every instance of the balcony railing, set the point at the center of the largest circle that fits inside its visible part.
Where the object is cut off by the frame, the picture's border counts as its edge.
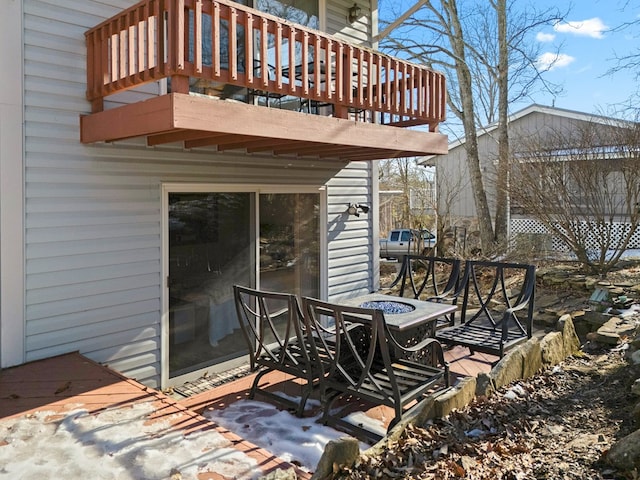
(216, 41)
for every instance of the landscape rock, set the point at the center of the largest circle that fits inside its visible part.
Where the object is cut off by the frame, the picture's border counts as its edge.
(508, 369)
(531, 357)
(456, 397)
(636, 414)
(485, 387)
(280, 474)
(596, 318)
(635, 388)
(625, 453)
(337, 453)
(615, 329)
(545, 318)
(552, 348)
(569, 336)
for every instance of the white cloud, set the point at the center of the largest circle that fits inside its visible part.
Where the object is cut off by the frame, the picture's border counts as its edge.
(593, 27)
(551, 61)
(545, 37)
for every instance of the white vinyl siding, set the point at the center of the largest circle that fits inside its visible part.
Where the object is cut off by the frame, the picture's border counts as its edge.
(93, 213)
(351, 251)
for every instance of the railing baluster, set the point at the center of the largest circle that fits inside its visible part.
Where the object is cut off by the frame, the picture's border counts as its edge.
(180, 32)
(122, 52)
(264, 52)
(278, 57)
(420, 87)
(305, 64)
(412, 93)
(378, 80)
(151, 24)
(197, 37)
(248, 48)
(396, 87)
(340, 73)
(233, 43)
(215, 41)
(317, 66)
(404, 88)
(328, 68)
(349, 74)
(292, 60)
(387, 83)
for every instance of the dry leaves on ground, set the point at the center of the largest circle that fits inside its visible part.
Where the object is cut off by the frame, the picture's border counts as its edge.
(556, 425)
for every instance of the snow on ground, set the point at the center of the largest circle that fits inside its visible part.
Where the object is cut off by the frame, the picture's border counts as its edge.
(294, 439)
(121, 443)
(118, 443)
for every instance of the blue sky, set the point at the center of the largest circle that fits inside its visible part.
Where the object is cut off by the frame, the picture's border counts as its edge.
(589, 43)
(582, 48)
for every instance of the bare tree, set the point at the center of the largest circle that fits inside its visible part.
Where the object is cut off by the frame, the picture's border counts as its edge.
(628, 60)
(583, 184)
(489, 59)
(404, 175)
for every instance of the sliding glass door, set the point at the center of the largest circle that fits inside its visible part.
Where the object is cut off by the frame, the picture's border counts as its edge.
(210, 248)
(215, 240)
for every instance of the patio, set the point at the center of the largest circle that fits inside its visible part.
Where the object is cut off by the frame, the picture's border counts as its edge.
(70, 383)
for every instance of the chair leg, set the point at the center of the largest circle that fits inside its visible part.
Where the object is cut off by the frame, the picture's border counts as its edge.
(256, 381)
(306, 392)
(328, 402)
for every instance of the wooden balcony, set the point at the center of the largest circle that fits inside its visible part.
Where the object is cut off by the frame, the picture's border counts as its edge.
(224, 63)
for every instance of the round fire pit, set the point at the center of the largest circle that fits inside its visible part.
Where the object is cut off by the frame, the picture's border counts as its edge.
(389, 307)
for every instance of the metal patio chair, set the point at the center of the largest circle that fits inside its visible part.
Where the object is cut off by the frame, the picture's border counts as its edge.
(434, 279)
(497, 307)
(273, 327)
(364, 360)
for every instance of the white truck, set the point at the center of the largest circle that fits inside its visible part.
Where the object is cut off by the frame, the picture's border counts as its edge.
(403, 241)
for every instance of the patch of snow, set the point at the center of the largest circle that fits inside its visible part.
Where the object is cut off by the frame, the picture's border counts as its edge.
(296, 440)
(118, 443)
(366, 422)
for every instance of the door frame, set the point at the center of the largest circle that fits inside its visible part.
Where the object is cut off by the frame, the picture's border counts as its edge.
(172, 187)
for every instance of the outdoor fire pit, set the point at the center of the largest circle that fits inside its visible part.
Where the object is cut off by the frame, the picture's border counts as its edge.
(389, 307)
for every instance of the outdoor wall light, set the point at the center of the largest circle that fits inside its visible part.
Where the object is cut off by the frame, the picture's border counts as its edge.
(354, 13)
(356, 209)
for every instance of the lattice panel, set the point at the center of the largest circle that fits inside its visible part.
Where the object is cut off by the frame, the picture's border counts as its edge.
(528, 226)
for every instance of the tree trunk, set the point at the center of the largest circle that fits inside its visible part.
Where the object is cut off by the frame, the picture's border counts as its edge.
(502, 180)
(468, 119)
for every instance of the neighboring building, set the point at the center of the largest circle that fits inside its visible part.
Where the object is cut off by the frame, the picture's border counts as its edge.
(141, 175)
(456, 206)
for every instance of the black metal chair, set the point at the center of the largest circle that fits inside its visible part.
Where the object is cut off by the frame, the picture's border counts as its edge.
(497, 307)
(364, 360)
(435, 279)
(273, 327)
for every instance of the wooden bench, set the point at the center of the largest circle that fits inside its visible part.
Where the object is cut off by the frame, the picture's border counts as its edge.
(273, 327)
(497, 307)
(430, 278)
(363, 362)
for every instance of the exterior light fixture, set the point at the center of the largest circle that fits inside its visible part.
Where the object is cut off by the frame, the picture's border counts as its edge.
(356, 209)
(354, 13)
